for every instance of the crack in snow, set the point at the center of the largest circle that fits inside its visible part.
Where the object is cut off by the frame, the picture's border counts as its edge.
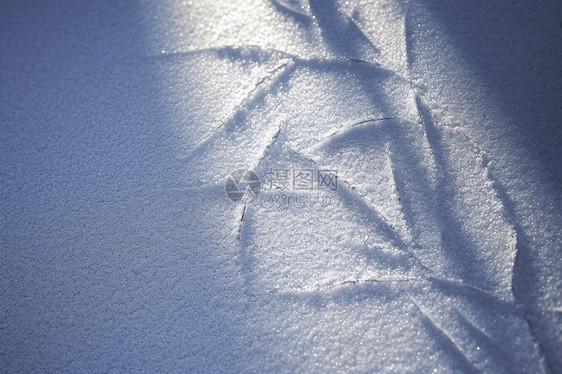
(449, 342)
(342, 132)
(295, 13)
(251, 99)
(253, 52)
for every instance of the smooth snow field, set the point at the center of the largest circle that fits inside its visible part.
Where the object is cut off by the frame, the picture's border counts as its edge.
(280, 186)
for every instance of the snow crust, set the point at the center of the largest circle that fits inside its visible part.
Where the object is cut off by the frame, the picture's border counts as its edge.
(439, 250)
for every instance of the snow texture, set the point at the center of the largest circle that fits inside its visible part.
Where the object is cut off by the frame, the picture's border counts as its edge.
(439, 250)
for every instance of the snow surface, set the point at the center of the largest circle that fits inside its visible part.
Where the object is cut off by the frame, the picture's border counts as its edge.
(439, 251)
